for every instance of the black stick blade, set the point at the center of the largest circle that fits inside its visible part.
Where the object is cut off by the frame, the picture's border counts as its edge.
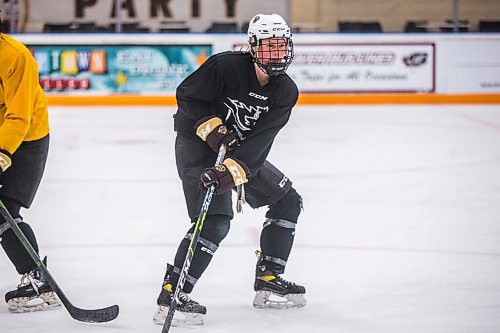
(87, 316)
(94, 316)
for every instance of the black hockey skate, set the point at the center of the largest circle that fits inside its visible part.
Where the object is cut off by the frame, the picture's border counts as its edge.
(32, 294)
(188, 312)
(274, 292)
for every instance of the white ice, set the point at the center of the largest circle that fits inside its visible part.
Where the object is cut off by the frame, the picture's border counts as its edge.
(400, 232)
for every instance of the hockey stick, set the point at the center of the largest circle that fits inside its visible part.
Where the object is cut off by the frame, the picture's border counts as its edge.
(192, 246)
(88, 316)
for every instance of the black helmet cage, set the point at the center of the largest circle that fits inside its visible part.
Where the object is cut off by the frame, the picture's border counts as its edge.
(272, 68)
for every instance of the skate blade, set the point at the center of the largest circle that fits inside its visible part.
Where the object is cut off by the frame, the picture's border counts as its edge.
(181, 319)
(43, 302)
(269, 300)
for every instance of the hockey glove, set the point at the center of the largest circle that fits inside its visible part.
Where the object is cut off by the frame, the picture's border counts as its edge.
(5, 160)
(215, 133)
(225, 176)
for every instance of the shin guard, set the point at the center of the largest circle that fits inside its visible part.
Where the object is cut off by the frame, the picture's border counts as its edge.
(278, 232)
(15, 249)
(214, 231)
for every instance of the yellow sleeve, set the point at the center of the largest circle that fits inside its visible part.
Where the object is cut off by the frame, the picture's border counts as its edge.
(20, 82)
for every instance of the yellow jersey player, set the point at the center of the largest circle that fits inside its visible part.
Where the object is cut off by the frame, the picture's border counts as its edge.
(24, 144)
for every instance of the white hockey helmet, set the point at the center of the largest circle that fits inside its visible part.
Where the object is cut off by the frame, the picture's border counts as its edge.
(263, 27)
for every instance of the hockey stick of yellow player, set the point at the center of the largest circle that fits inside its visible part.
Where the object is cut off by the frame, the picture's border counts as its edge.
(88, 316)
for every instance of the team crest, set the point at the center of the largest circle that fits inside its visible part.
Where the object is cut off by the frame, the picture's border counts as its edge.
(244, 116)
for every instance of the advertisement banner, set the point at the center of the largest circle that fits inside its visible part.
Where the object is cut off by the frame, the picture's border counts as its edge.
(471, 69)
(381, 67)
(100, 70)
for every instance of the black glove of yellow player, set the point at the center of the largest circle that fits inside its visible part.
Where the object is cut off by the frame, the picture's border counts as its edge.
(5, 160)
(225, 176)
(215, 133)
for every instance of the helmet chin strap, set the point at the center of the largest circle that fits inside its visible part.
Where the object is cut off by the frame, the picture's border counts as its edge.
(273, 69)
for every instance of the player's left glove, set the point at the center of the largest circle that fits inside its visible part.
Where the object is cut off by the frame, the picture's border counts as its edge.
(5, 160)
(215, 133)
(225, 176)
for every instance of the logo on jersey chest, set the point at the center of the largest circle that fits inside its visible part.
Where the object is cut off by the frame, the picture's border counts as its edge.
(252, 94)
(245, 116)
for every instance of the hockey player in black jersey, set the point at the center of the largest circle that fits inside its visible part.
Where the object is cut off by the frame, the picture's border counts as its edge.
(240, 100)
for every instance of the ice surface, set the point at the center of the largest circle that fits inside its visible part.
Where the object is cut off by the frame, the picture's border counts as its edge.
(400, 231)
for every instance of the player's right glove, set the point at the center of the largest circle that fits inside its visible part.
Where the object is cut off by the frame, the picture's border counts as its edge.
(225, 176)
(215, 133)
(5, 160)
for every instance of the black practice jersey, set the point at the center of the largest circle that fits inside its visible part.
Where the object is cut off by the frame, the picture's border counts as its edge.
(226, 86)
